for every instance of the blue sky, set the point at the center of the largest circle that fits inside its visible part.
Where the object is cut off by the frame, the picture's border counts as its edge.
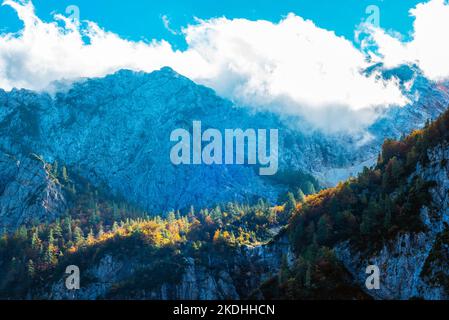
(142, 19)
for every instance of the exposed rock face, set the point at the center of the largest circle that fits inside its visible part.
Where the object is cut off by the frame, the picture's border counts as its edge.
(115, 132)
(234, 279)
(28, 193)
(414, 265)
(198, 283)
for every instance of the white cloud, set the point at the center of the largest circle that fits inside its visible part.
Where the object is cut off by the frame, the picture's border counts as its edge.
(166, 22)
(292, 66)
(429, 46)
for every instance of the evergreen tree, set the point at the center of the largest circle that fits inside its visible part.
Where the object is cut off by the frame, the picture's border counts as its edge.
(68, 228)
(55, 169)
(57, 230)
(171, 217)
(290, 205)
(191, 213)
(65, 176)
(90, 236)
(30, 268)
(21, 234)
(35, 241)
(115, 212)
(50, 257)
(396, 169)
(100, 231)
(78, 235)
(51, 238)
(309, 188)
(323, 229)
(300, 196)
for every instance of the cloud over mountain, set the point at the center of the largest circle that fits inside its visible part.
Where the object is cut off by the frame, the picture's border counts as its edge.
(292, 66)
(428, 48)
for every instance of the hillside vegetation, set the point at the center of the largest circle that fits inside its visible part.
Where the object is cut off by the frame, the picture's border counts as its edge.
(367, 211)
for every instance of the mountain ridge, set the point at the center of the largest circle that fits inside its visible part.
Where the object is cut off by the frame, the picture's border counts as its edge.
(105, 130)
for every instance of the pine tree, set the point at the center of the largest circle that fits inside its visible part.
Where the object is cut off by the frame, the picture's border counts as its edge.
(21, 234)
(100, 231)
(309, 188)
(90, 237)
(216, 214)
(57, 230)
(65, 176)
(35, 241)
(323, 229)
(55, 168)
(300, 196)
(310, 231)
(115, 212)
(78, 235)
(171, 217)
(68, 228)
(30, 268)
(51, 238)
(290, 205)
(50, 257)
(396, 168)
(191, 213)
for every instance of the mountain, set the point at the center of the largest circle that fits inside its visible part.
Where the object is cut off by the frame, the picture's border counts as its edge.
(428, 100)
(393, 216)
(114, 132)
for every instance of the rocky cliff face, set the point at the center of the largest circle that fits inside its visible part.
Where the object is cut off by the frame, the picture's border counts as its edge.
(115, 132)
(215, 279)
(28, 192)
(414, 265)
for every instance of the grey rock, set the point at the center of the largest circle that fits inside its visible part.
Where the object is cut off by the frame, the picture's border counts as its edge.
(28, 193)
(402, 262)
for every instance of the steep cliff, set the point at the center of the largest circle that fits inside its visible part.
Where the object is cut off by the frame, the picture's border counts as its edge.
(29, 193)
(115, 131)
(393, 216)
(414, 265)
(236, 275)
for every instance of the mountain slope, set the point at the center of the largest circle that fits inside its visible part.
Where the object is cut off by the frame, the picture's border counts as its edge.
(394, 216)
(114, 132)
